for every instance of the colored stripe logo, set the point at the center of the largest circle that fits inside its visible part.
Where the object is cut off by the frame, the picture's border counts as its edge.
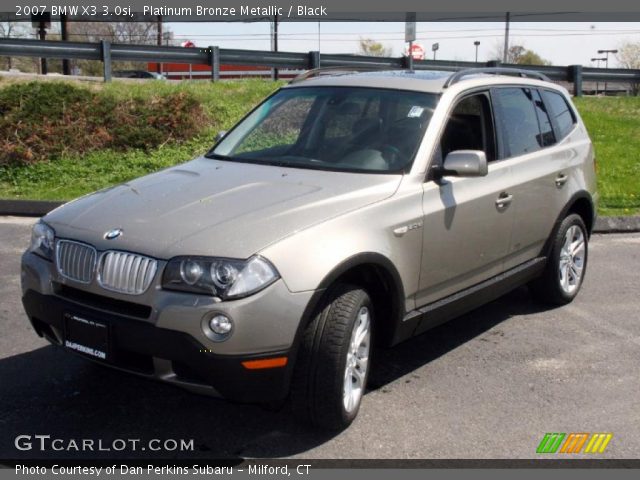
(598, 443)
(574, 442)
(550, 443)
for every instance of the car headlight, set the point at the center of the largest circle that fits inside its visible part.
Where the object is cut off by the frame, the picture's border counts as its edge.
(222, 277)
(42, 240)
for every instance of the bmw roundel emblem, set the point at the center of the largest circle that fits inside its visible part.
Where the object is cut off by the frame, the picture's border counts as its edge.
(113, 234)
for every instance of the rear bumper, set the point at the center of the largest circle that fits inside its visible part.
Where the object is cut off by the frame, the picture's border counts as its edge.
(172, 356)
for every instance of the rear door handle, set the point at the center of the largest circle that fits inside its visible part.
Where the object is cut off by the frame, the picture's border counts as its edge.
(504, 200)
(561, 179)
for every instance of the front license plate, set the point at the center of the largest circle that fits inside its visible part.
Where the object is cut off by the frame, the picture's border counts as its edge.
(86, 336)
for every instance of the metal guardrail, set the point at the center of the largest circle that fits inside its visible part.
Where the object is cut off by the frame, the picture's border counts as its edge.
(214, 57)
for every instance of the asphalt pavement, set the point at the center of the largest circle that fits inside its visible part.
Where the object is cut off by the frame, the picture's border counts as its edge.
(487, 385)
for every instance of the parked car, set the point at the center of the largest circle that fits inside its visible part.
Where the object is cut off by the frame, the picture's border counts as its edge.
(138, 74)
(343, 212)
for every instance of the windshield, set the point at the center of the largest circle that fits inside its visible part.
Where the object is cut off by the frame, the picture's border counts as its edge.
(332, 128)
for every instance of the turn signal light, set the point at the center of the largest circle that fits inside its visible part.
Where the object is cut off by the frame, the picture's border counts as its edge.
(265, 363)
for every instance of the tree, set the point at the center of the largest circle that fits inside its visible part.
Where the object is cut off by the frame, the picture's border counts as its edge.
(137, 33)
(628, 56)
(140, 33)
(10, 29)
(529, 57)
(519, 55)
(372, 48)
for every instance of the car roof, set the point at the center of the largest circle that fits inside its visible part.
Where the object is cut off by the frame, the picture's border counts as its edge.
(418, 80)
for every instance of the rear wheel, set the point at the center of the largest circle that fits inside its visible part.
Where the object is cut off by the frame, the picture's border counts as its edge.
(331, 371)
(566, 266)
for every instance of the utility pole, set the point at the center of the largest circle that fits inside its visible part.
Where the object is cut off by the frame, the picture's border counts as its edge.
(598, 60)
(606, 61)
(42, 34)
(274, 44)
(64, 34)
(159, 42)
(41, 21)
(505, 54)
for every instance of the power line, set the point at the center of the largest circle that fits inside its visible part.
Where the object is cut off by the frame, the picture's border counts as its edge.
(340, 37)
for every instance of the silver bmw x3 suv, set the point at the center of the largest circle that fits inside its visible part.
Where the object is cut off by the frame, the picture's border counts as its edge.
(345, 211)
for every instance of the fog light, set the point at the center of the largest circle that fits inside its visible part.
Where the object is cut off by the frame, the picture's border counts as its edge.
(220, 324)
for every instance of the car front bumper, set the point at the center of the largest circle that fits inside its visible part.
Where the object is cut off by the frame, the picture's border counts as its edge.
(162, 335)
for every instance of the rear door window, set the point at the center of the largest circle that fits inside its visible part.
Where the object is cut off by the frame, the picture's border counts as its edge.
(547, 137)
(518, 121)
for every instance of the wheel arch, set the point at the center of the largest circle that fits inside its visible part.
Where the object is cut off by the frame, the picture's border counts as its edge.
(583, 206)
(580, 203)
(379, 277)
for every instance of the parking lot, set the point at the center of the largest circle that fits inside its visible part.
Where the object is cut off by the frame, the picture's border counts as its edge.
(487, 385)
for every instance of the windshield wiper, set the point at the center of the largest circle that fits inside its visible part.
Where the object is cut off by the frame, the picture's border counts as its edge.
(275, 162)
(217, 156)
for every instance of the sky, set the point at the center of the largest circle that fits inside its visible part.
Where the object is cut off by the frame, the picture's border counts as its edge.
(562, 43)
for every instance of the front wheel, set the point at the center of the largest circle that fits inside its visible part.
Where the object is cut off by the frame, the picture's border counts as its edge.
(332, 368)
(566, 266)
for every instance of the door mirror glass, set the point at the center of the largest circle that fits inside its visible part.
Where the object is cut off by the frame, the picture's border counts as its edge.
(465, 163)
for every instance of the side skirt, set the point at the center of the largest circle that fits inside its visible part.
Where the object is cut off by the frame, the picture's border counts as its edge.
(433, 314)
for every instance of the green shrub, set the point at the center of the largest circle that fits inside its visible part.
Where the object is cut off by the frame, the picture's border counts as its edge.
(40, 121)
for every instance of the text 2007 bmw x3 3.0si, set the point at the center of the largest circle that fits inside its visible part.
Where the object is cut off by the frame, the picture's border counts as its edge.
(346, 211)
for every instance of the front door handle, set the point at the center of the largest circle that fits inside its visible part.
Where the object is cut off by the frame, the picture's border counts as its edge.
(561, 179)
(504, 200)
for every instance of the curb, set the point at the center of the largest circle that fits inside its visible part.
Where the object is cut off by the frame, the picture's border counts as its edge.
(39, 208)
(617, 224)
(27, 208)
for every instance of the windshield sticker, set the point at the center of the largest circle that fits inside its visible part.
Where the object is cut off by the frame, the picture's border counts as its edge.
(415, 112)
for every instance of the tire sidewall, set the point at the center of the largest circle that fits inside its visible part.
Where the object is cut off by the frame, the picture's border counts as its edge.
(567, 223)
(365, 301)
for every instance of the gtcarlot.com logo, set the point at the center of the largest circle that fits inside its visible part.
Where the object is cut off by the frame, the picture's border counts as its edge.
(574, 443)
(48, 443)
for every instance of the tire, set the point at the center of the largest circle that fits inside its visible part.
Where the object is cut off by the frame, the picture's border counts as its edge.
(566, 266)
(329, 360)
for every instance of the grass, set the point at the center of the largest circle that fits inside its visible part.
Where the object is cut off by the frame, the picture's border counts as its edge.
(70, 175)
(614, 125)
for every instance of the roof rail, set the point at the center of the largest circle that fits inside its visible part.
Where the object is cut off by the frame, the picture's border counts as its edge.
(317, 72)
(457, 76)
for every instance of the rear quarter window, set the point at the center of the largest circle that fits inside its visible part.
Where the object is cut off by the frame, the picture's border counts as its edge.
(561, 113)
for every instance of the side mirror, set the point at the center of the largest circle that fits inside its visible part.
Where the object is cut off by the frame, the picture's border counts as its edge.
(220, 135)
(465, 163)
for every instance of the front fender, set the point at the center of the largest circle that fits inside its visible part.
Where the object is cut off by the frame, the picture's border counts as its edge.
(308, 259)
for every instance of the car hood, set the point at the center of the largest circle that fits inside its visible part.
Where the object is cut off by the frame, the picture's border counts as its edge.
(213, 207)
